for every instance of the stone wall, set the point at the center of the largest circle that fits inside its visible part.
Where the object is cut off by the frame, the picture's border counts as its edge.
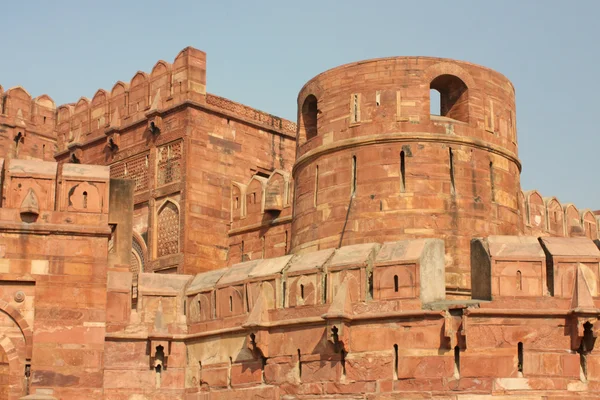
(370, 321)
(53, 241)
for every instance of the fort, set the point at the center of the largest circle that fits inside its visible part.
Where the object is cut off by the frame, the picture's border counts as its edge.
(162, 242)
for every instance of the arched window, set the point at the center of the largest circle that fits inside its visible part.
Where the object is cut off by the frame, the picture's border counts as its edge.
(308, 121)
(168, 229)
(453, 97)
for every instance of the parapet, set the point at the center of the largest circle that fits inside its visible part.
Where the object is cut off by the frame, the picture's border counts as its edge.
(546, 216)
(557, 268)
(129, 103)
(24, 113)
(411, 270)
(36, 190)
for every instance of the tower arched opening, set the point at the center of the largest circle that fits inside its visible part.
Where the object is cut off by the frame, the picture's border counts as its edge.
(308, 119)
(453, 97)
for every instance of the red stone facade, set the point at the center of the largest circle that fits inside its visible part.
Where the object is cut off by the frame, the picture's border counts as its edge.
(160, 242)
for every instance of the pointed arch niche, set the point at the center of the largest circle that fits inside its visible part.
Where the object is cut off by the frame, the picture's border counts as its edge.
(167, 229)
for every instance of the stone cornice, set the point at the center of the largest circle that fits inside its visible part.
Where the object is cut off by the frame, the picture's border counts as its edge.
(400, 137)
(53, 229)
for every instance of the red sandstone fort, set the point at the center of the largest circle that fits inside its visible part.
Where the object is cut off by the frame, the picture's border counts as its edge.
(161, 242)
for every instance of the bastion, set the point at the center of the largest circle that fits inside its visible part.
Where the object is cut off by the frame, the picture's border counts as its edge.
(162, 242)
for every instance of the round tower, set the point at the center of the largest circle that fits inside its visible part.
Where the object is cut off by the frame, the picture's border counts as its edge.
(375, 163)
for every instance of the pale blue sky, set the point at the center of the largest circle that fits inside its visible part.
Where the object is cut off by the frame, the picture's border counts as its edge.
(260, 53)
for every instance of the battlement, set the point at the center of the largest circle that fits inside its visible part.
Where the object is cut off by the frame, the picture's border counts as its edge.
(547, 216)
(41, 195)
(348, 317)
(19, 110)
(127, 103)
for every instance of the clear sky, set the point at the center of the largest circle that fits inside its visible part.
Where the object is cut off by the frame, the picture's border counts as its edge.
(260, 53)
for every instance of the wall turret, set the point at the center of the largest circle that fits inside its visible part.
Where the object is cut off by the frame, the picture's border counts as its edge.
(375, 164)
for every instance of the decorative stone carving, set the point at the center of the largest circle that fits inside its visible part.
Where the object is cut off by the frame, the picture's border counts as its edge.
(20, 296)
(168, 229)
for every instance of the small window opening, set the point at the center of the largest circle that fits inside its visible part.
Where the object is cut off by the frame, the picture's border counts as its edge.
(199, 307)
(492, 181)
(519, 281)
(230, 304)
(402, 172)
(434, 102)
(302, 291)
(253, 199)
(180, 87)
(378, 98)
(457, 362)
(451, 162)
(449, 97)
(236, 203)
(395, 361)
(353, 175)
(283, 293)
(85, 199)
(370, 285)
(44, 120)
(299, 366)
(520, 359)
(309, 126)
(316, 185)
(43, 151)
(396, 283)
(355, 109)
(184, 307)
(286, 242)
(324, 298)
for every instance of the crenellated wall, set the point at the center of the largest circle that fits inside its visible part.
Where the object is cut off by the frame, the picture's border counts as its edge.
(130, 103)
(546, 216)
(27, 125)
(177, 143)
